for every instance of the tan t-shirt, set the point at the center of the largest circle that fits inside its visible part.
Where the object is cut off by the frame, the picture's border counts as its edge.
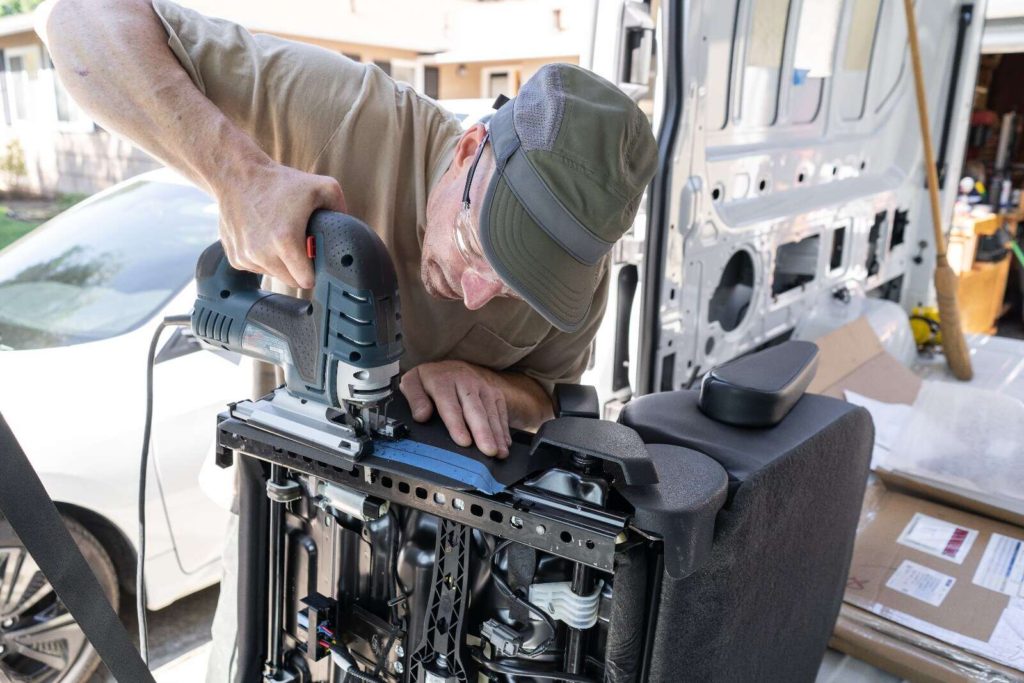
(323, 113)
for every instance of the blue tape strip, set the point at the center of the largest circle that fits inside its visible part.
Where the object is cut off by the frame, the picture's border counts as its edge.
(443, 462)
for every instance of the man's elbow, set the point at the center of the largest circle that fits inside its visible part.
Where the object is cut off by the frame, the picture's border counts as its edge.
(57, 21)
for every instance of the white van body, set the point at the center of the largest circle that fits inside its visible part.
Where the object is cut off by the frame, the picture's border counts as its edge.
(791, 171)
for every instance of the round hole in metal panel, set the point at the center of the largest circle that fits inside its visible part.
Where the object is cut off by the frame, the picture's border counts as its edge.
(731, 298)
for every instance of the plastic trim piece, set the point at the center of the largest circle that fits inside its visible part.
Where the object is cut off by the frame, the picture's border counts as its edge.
(608, 441)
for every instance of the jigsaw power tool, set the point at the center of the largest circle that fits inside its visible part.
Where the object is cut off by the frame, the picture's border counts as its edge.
(339, 351)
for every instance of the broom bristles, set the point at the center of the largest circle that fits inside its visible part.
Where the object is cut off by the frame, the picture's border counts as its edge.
(953, 345)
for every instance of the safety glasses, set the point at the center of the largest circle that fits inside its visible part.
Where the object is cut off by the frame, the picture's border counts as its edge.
(467, 235)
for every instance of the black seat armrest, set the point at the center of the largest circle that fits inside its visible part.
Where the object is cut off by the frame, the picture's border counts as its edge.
(759, 390)
(576, 400)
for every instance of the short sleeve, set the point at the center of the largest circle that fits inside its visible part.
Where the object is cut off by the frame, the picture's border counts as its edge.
(289, 97)
(563, 357)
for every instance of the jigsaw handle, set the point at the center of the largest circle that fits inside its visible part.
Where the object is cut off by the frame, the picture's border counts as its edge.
(352, 317)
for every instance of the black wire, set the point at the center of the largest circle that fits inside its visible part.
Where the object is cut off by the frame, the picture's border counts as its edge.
(512, 670)
(511, 595)
(140, 576)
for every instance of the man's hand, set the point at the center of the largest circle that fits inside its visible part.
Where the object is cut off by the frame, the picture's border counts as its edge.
(469, 400)
(264, 214)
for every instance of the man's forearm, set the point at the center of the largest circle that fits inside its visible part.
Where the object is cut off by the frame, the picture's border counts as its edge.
(113, 57)
(529, 405)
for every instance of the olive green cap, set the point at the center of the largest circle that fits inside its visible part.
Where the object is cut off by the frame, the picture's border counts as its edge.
(573, 155)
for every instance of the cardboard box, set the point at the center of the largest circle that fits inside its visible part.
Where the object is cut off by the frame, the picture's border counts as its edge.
(942, 575)
(980, 294)
(852, 358)
(910, 654)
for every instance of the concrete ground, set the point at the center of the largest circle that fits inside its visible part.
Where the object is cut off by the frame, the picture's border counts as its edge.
(178, 636)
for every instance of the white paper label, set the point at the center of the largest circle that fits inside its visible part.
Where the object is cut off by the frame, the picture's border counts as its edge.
(936, 537)
(921, 582)
(1002, 566)
(1006, 645)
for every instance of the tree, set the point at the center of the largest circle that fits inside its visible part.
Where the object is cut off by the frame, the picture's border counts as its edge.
(9, 7)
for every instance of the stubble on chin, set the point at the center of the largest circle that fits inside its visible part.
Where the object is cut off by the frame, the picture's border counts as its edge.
(434, 282)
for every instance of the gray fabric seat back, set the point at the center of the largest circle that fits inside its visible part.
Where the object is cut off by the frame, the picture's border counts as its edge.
(762, 607)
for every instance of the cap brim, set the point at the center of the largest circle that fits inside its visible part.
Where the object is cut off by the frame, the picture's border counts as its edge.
(548, 278)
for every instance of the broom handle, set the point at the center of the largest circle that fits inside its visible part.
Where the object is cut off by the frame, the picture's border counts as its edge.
(954, 347)
(926, 138)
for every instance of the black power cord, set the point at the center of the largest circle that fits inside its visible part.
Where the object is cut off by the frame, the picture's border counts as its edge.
(140, 579)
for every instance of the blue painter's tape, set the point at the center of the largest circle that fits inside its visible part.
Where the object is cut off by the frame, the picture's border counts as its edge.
(443, 462)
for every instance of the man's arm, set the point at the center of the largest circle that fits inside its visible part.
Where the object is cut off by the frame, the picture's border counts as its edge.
(476, 404)
(113, 57)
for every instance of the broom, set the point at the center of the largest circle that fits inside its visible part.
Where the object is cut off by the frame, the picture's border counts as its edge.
(953, 344)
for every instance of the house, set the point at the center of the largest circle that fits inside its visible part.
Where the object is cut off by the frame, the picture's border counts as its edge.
(446, 49)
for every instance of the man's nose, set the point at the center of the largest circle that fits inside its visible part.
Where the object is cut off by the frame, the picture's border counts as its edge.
(476, 290)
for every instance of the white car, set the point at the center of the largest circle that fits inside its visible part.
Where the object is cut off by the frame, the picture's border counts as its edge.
(80, 298)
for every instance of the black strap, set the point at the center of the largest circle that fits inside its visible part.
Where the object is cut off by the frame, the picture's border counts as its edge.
(35, 520)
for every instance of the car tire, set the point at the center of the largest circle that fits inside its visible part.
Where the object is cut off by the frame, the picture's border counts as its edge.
(41, 640)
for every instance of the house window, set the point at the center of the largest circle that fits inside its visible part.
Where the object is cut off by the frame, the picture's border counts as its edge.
(405, 72)
(500, 81)
(431, 81)
(384, 65)
(69, 115)
(354, 56)
(35, 94)
(22, 65)
(68, 111)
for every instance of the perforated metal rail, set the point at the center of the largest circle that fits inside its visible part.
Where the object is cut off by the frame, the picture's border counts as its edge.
(578, 532)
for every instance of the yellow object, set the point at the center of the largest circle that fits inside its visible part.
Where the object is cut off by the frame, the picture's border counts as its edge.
(924, 321)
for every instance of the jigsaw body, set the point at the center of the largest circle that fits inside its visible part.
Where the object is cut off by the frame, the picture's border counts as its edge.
(339, 351)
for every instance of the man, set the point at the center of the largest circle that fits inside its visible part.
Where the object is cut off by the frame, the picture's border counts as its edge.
(500, 234)
(496, 311)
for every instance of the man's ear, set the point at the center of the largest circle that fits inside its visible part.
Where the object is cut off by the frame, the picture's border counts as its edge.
(467, 145)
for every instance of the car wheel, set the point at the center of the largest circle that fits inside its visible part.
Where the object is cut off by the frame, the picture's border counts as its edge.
(39, 639)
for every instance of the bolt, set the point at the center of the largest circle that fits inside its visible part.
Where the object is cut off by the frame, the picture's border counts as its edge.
(3, 649)
(540, 529)
(7, 623)
(327, 520)
(399, 668)
(399, 650)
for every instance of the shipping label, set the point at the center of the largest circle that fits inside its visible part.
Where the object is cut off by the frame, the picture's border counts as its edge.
(939, 538)
(921, 583)
(1002, 566)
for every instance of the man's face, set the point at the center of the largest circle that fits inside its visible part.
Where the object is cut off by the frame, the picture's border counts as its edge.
(452, 265)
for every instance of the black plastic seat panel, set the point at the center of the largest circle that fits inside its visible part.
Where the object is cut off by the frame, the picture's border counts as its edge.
(673, 418)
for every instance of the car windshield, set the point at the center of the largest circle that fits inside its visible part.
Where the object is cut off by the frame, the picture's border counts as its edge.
(104, 267)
